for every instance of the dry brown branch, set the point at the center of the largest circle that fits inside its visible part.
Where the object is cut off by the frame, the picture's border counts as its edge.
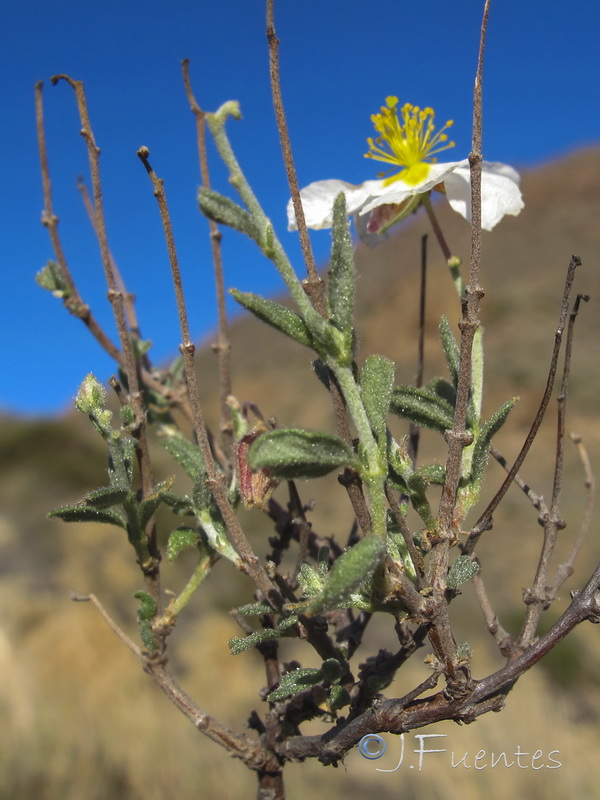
(223, 346)
(485, 519)
(74, 302)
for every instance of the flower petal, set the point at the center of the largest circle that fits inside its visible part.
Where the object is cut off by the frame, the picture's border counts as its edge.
(398, 191)
(318, 198)
(500, 193)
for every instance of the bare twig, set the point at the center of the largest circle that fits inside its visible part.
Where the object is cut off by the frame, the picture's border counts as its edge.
(503, 638)
(91, 598)
(565, 570)
(313, 285)
(74, 301)
(223, 346)
(540, 596)
(562, 406)
(537, 501)
(128, 298)
(484, 521)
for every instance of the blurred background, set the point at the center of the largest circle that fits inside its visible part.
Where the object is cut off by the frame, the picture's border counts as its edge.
(78, 716)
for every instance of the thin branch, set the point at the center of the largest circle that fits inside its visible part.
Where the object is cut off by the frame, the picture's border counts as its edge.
(91, 598)
(562, 405)
(238, 745)
(565, 570)
(414, 432)
(223, 346)
(537, 500)
(74, 302)
(314, 284)
(540, 596)
(503, 638)
(485, 520)
(128, 298)
(214, 480)
(453, 262)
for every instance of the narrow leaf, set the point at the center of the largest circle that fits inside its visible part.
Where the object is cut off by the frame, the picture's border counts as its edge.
(238, 645)
(186, 453)
(451, 349)
(105, 497)
(221, 209)
(443, 389)
(290, 453)
(352, 569)
(481, 447)
(276, 315)
(433, 473)
(294, 682)
(423, 407)
(254, 609)
(121, 454)
(377, 383)
(145, 615)
(417, 491)
(342, 273)
(109, 516)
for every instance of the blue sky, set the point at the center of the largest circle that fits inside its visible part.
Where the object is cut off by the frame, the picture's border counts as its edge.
(339, 60)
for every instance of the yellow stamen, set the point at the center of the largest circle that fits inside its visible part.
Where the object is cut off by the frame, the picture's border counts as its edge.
(409, 146)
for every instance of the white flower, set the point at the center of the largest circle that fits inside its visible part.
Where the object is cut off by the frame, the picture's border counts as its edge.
(409, 147)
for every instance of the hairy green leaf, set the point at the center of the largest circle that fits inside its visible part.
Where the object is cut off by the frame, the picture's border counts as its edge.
(121, 455)
(451, 349)
(52, 278)
(149, 505)
(417, 491)
(338, 698)
(105, 497)
(181, 539)
(238, 645)
(221, 209)
(352, 569)
(276, 315)
(290, 453)
(481, 447)
(433, 473)
(376, 386)
(462, 570)
(294, 682)
(254, 609)
(145, 614)
(342, 274)
(423, 407)
(443, 389)
(186, 453)
(77, 513)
